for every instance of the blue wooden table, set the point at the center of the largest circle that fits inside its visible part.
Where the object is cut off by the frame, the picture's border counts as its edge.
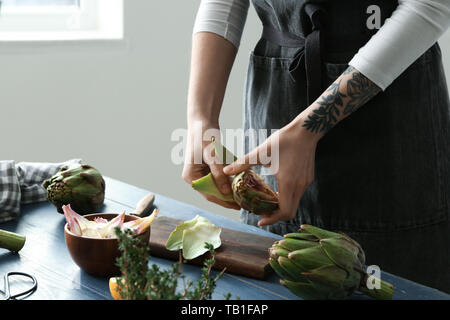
(46, 257)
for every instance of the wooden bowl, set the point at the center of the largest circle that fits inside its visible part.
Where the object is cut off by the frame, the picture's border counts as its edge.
(97, 256)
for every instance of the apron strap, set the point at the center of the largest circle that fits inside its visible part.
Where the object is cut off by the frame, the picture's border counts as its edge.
(284, 39)
(313, 53)
(309, 53)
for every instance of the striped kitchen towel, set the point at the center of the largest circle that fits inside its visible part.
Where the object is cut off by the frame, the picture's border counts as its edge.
(20, 183)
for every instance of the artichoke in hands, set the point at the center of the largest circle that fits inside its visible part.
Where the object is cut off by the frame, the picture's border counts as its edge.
(318, 264)
(79, 185)
(250, 191)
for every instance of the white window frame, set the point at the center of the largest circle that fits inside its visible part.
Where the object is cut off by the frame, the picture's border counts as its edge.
(93, 20)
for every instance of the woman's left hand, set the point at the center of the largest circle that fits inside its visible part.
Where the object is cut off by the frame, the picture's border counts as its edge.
(291, 151)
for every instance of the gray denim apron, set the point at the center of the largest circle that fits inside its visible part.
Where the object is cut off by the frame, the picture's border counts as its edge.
(382, 174)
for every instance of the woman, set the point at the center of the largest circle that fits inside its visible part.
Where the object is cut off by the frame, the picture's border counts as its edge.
(379, 173)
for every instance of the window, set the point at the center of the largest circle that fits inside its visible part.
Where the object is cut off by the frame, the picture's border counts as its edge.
(21, 4)
(35, 20)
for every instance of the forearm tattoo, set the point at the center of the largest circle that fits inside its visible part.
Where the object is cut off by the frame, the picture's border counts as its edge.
(342, 98)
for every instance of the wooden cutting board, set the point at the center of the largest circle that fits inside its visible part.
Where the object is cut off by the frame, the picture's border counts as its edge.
(240, 253)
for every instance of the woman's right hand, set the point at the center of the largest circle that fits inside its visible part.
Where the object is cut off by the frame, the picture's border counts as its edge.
(207, 84)
(200, 160)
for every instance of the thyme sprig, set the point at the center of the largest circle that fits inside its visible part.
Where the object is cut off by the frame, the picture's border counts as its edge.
(141, 282)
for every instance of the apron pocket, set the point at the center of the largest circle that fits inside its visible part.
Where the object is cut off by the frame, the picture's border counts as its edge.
(272, 99)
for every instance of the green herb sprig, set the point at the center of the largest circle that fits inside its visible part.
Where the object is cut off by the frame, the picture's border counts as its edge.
(141, 282)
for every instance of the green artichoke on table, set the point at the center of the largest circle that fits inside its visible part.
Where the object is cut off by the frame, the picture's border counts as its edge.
(319, 264)
(79, 185)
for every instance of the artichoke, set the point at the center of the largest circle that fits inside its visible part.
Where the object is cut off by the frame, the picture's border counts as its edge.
(79, 185)
(250, 191)
(319, 264)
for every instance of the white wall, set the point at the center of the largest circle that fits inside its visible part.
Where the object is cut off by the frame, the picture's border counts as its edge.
(116, 106)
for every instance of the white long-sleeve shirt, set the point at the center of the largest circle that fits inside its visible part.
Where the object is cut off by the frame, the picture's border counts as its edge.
(414, 27)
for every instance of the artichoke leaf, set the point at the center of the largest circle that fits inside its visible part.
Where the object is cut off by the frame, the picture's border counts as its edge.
(175, 241)
(208, 186)
(194, 239)
(296, 244)
(222, 154)
(317, 232)
(330, 275)
(291, 268)
(279, 270)
(278, 251)
(191, 236)
(340, 252)
(310, 258)
(301, 236)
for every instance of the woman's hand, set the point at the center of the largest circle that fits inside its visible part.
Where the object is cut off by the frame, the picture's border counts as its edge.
(297, 141)
(207, 84)
(292, 153)
(200, 160)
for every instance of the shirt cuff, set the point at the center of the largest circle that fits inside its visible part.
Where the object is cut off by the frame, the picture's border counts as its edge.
(221, 29)
(370, 70)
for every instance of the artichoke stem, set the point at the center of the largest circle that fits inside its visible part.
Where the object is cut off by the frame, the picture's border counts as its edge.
(11, 241)
(385, 292)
